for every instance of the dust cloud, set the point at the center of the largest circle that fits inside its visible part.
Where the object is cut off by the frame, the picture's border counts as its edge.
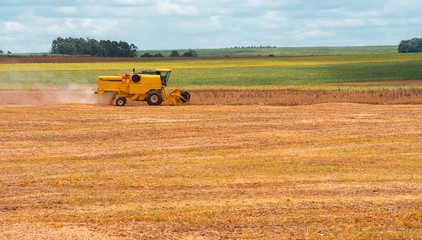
(34, 87)
(42, 97)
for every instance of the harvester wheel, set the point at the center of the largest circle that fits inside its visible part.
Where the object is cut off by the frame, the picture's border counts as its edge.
(154, 98)
(121, 101)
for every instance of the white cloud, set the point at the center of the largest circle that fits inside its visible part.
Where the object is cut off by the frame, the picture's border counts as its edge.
(203, 25)
(265, 4)
(361, 14)
(26, 24)
(313, 34)
(269, 21)
(273, 19)
(414, 21)
(84, 27)
(215, 22)
(67, 10)
(378, 22)
(401, 7)
(128, 2)
(167, 7)
(334, 23)
(12, 28)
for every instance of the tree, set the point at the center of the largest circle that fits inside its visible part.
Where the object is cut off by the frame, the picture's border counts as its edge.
(190, 53)
(123, 49)
(133, 49)
(68, 48)
(174, 54)
(410, 46)
(81, 46)
(55, 45)
(150, 55)
(106, 48)
(1, 51)
(92, 47)
(147, 55)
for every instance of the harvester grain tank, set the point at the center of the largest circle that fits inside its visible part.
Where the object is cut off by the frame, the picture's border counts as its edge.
(148, 85)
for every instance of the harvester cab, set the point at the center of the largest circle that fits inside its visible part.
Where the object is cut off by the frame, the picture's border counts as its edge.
(165, 75)
(148, 85)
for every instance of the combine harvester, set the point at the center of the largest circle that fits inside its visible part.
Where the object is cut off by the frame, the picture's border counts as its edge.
(147, 86)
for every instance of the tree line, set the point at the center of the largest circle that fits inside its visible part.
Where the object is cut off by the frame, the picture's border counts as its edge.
(410, 46)
(93, 47)
(260, 46)
(174, 53)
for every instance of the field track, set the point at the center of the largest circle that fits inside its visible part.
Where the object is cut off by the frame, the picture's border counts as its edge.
(333, 170)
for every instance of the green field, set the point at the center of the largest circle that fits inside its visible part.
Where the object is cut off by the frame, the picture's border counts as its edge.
(252, 51)
(238, 73)
(280, 51)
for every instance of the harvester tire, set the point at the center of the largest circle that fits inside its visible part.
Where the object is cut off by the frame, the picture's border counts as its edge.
(121, 101)
(154, 98)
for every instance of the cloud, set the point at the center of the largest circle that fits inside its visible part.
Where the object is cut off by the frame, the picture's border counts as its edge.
(203, 25)
(67, 10)
(262, 4)
(128, 2)
(273, 19)
(86, 27)
(167, 7)
(31, 25)
(12, 28)
(378, 22)
(311, 34)
(335, 23)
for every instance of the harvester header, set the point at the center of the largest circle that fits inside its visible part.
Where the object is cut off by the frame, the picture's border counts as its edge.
(147, 85)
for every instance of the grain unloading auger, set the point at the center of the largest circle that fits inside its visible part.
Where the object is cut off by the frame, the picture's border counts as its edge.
(147, 86)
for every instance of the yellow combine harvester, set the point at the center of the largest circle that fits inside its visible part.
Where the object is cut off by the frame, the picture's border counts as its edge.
(147, 86)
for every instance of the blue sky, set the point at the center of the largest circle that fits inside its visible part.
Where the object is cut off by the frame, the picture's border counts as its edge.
(31, 25)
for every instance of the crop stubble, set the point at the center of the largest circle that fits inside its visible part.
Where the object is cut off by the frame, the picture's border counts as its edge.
(82, 171)
(287, 97)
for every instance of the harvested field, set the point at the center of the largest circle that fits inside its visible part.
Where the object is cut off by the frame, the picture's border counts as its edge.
(380, 83)
(336, 170)
(305, 97)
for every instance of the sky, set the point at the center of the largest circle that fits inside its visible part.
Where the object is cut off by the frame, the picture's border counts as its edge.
(30, 26)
